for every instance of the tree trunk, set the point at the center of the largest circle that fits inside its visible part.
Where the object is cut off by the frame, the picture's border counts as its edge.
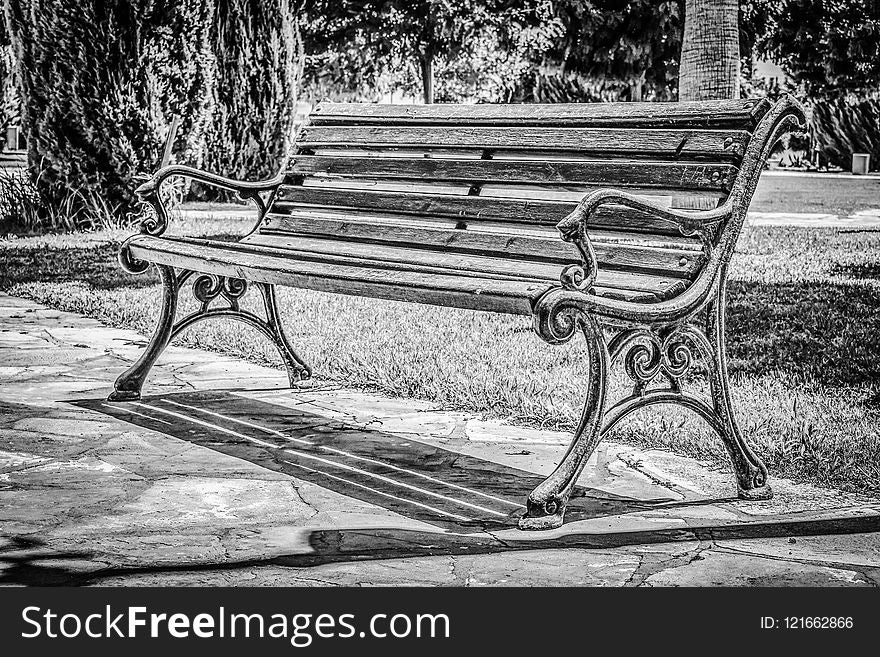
(427, 63)
(710, 51)
(637, 89)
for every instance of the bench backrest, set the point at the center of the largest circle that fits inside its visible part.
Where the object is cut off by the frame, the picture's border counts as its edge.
(495, 179)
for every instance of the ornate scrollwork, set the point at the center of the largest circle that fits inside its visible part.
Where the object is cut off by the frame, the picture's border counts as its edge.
(234, 288)
(573, 277)
(578, 276)
(208, 287)
(152, 223)
(645, 360)
(556, 323)
(670, 351)
(647, 353)
(694, 227)
(128, 262)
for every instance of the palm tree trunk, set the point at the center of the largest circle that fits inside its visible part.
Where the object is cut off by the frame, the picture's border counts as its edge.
(710, 50)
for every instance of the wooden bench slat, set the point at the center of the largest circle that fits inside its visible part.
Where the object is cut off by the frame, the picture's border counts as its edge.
(466, 265)
(610, 235)
(643, 174)
(734, 114)
(490, 294)
(466, 208)
(496, 295)
(574, 193)
(661, 260)
(186, 251)
(665, 143)
(405, 258)
(565, 192)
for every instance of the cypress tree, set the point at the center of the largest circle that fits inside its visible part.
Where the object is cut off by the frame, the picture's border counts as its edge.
(258, 50)
(100, 81)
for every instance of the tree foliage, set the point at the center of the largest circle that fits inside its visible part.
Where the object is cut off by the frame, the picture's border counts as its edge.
(369, 45)
(636, 42)
(100, 81)
(843, 126)
(829, 46)
(258, 52)
(10, 103)
(493, 67)
(494, 50)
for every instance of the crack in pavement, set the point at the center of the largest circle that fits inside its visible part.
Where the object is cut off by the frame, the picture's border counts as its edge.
(837, 565)
(648, 566)
(635, 464)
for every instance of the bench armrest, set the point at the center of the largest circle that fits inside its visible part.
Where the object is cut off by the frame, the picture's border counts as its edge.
(574, 228)
(149, 192)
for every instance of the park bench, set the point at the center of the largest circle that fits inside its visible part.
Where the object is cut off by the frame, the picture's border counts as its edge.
(459, 205)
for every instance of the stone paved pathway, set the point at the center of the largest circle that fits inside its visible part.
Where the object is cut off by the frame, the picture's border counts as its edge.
(221, 475)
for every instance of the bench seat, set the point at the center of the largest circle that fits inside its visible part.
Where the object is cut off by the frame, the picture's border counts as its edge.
(479, 281)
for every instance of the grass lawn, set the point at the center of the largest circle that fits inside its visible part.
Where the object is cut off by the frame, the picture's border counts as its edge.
(804, 341)
(840, 194)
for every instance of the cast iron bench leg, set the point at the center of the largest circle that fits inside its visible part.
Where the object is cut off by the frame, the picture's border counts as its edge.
(297, 370)
(128, 385)
(207, 288)
(546, 504)
(751, 473)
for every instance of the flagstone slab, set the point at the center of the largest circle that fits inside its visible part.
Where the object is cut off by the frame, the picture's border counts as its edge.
(714, 568)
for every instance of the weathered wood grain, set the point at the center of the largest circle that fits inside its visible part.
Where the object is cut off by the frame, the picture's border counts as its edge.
(473, 209)
(609, 173)
(722, 145)
(511, 229)
(497, 295)
(362, 277)
(419, 260)
(742, 114)
(296, 230)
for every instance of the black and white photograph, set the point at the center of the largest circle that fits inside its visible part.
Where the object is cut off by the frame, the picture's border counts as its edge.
(437, 294)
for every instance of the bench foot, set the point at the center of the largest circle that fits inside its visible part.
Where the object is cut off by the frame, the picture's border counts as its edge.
(128, 386)
(550, 516)
(545, 507)
(124, 396)
(762, 493)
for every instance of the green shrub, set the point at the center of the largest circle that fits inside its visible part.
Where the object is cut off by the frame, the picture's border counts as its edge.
(10, 104)
(843, 126)
(25, 208)
(258, 51)
(100, 81)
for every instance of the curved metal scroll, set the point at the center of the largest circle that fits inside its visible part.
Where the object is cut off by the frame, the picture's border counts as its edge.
(210, 287)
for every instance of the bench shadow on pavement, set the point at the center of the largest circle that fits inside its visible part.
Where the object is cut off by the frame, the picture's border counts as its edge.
(418, 480)
(466, 499)
(24, 561)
